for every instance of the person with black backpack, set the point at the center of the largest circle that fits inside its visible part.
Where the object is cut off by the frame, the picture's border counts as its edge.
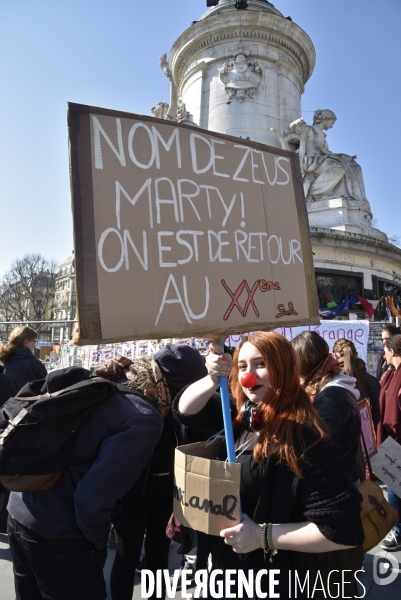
(149, 503)
(96, 439)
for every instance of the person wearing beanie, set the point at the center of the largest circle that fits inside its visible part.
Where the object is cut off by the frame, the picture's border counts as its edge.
(147, 507)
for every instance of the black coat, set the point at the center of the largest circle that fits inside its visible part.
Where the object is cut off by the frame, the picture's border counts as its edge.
(373, 389)
(6, 389)
(382, 367)
(23, 367)
(323, 495)
(339, 410)
(173, 434)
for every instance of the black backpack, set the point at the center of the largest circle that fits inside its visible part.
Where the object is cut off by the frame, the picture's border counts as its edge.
(37, 426)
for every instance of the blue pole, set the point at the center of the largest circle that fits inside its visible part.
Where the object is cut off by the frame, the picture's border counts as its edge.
(228, 426)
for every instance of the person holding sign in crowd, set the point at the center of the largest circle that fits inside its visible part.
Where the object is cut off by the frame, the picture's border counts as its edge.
(296, 497)
(390, 423)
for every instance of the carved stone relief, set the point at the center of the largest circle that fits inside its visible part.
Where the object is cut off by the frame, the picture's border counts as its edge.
(240, 76)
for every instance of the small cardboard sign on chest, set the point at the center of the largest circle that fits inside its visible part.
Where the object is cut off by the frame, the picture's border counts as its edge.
(386, 464)
(206, 491)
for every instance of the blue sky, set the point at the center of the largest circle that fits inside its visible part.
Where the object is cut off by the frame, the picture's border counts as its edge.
(105, 53)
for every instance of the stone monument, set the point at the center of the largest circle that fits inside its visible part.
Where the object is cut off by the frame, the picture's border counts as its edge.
(241, 70)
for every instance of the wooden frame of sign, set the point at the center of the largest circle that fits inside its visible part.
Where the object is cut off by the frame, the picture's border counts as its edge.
(184, 232)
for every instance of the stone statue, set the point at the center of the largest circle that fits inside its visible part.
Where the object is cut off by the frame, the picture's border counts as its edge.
(325, 175)
(183, 115)
(240, 76)
(160, 110)
(171, 114)
(176, 110)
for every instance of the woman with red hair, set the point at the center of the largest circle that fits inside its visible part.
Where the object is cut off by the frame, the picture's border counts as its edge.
(296, 498)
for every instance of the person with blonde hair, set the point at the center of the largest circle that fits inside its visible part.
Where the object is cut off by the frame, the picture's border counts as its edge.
(17, 356)
(367, 385)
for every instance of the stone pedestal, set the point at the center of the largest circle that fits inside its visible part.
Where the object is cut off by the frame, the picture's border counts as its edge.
(343, 214)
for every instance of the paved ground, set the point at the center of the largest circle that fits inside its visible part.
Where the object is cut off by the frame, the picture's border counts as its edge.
(374, 591)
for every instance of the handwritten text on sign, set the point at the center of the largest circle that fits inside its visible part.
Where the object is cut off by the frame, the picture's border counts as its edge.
(203, 229)
(356, 332)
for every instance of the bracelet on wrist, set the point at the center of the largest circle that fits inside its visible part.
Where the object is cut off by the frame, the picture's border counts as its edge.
(263, 540)
(269, 538)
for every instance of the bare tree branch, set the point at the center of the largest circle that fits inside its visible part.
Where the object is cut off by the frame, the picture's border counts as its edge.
(27, 289)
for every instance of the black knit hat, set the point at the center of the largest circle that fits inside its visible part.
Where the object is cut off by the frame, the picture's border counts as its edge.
(180, 365)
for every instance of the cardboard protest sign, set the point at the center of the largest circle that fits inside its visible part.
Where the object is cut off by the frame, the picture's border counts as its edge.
(182, 232)
(206, 491)
(367, 426)
(386, 464)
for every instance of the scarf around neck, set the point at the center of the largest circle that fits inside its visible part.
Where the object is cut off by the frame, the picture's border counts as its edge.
(389, 400)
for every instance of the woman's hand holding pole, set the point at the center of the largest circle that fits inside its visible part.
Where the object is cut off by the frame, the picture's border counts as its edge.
(197, 395)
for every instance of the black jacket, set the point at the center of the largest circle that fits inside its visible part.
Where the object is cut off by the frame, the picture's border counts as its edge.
(373, 389)
(161, 461)
(339, 410)
(382, 367)
(6, 389)
(22, 367)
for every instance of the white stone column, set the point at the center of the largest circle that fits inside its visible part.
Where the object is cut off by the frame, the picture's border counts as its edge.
(279, 57)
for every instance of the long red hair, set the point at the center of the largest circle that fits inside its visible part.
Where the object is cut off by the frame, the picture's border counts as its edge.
(286, 406)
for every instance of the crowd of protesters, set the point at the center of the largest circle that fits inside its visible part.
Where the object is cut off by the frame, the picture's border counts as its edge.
(301, 462)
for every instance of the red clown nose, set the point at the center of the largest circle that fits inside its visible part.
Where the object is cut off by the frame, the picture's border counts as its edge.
(248, 380)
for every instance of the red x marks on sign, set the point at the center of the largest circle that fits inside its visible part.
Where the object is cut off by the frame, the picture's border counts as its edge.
(237, 294)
